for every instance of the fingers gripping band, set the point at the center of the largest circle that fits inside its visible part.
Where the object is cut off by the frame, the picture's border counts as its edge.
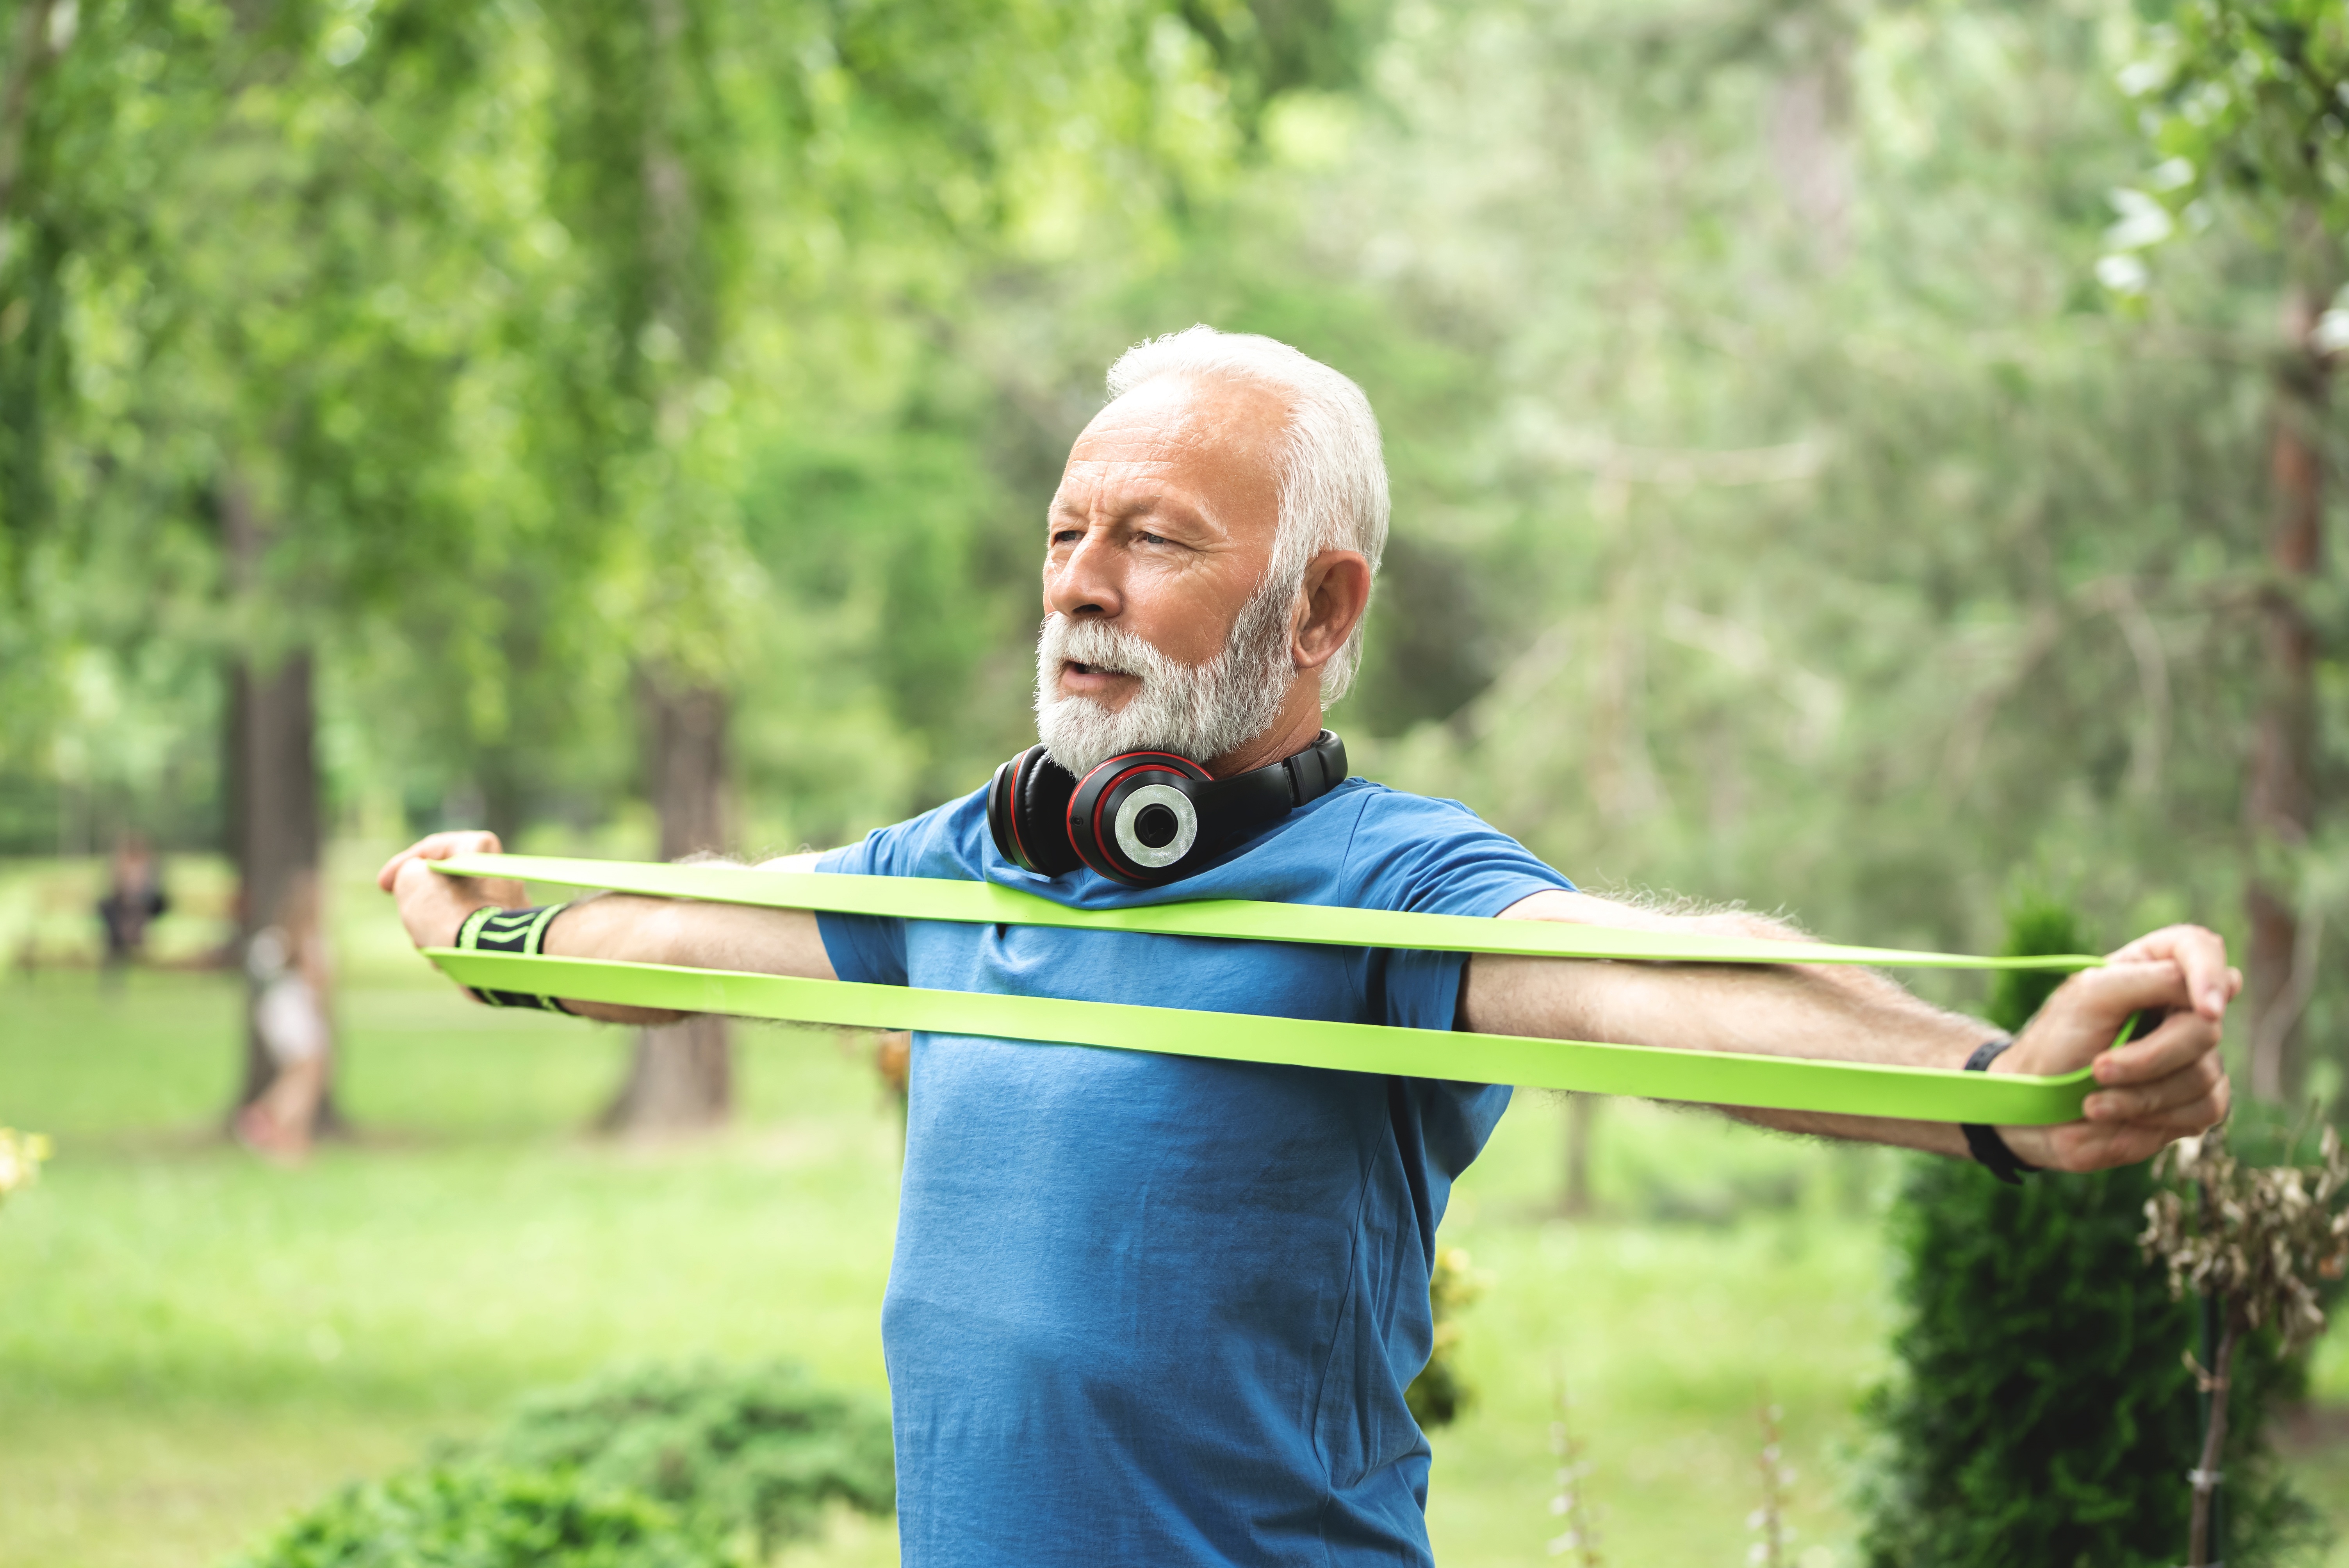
(521, 932)
(1840, 1087)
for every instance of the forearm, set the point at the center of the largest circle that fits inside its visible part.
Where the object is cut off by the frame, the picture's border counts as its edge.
(689, 934)
(615, 926)
(1828, 1012)
(633, 930)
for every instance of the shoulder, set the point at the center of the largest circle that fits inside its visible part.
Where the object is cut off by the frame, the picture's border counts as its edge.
(949, 840)
(1424, 853)
(1389, 816)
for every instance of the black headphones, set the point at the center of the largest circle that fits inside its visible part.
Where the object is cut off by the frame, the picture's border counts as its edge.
(1145, 818)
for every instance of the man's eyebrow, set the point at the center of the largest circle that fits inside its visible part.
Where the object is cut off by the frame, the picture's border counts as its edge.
(1177, 514)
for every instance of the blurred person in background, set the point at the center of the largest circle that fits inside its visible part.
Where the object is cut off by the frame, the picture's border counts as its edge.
(1160, 1309)
(134, 897)
(291, 981)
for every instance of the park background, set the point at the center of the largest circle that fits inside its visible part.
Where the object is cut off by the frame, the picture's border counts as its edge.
(1865, 460)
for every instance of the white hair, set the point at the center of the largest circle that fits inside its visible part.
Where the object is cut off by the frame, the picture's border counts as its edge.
(1333, 471)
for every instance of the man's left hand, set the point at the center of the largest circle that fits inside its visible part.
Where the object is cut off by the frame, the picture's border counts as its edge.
(2149, 1092)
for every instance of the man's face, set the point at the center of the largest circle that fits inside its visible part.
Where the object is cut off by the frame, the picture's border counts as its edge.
(1162, 526)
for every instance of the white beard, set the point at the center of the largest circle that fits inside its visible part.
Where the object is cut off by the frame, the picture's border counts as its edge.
(1198, 711)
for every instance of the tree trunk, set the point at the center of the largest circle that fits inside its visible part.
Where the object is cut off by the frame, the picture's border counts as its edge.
(274, 823)
(2280, 793)
(1581, 1119)
(1807, 128)
(31, 55)
(682, 1077)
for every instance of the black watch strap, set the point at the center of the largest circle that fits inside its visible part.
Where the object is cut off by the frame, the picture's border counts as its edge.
(1989, 1150)
(493, 930)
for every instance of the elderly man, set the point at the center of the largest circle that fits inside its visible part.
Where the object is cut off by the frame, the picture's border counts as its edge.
(1154, 1309)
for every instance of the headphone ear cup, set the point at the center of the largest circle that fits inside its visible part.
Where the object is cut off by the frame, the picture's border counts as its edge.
(1044, 791)
(1002, 810)
(1027, 813)
(1153, 781)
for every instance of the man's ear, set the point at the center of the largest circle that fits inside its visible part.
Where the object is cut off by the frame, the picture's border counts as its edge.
(1332, 598)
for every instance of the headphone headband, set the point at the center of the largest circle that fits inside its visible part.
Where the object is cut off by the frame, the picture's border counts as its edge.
(1145, 819)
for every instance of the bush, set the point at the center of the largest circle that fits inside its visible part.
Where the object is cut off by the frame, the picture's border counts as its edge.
(734, 1450)
(2043, 1416)
(474, 1517)
(659, 1467)
(1438, 1395)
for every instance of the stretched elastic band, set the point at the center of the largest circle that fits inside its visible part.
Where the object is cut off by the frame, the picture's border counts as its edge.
(990, 903)
(1759, 1082)
(1768, 1083)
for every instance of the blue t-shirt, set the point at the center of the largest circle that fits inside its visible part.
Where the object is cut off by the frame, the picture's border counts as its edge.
(1158, 1310)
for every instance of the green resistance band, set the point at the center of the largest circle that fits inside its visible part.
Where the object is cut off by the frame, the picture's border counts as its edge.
(1772, 1083)
(987, 903)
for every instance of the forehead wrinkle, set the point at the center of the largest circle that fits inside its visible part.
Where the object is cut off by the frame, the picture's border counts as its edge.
(1156, 427)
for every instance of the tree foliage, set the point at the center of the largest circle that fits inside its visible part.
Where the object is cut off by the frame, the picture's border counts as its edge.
(1786, 511)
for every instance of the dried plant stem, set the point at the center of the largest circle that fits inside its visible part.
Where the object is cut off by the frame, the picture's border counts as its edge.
(2214, 1443)
(1579, 1534)
(1769, 1520)
(2255, 1245)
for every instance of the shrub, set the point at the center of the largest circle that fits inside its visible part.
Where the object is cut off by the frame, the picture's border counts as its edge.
(21, 1154)
(1438, 1395)
(734, 1450)
(474, 1517)
(658, 1467)
(2043, 1416)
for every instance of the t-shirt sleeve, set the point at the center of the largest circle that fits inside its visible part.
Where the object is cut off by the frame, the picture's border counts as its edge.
(868, 948)
(1435, 856)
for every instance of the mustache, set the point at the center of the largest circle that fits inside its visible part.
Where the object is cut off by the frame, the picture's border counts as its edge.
(1097, 647)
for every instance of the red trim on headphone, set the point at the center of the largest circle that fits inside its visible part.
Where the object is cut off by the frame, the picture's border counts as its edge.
(1011, 809)
(1093, 830)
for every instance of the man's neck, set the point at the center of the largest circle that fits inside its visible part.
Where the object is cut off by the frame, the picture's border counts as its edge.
(1298, 727)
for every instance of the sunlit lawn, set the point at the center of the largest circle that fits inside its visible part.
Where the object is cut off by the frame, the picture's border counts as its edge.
(193, 1343)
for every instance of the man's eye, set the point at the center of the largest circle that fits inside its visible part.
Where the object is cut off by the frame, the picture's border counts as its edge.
(1068, 535)
(1149, 537)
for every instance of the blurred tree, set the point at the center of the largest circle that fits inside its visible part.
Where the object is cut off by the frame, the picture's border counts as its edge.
(1784, 509)
(1849, 574)
(914, 137)
(230, 430)
(2245, 101)
(642, 182)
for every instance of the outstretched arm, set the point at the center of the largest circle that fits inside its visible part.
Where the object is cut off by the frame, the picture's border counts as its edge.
(2156, 1089)
(611, 926)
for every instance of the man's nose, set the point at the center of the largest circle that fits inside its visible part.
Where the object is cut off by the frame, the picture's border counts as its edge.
(1087, 582)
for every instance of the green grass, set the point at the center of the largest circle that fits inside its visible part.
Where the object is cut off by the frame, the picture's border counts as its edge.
(193, 1343)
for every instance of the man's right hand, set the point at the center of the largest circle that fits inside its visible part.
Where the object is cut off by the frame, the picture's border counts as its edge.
(621, 927)
(432, 905)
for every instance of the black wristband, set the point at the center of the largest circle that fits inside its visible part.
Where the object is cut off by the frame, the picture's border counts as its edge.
(492, 930)
(1990, 1151)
